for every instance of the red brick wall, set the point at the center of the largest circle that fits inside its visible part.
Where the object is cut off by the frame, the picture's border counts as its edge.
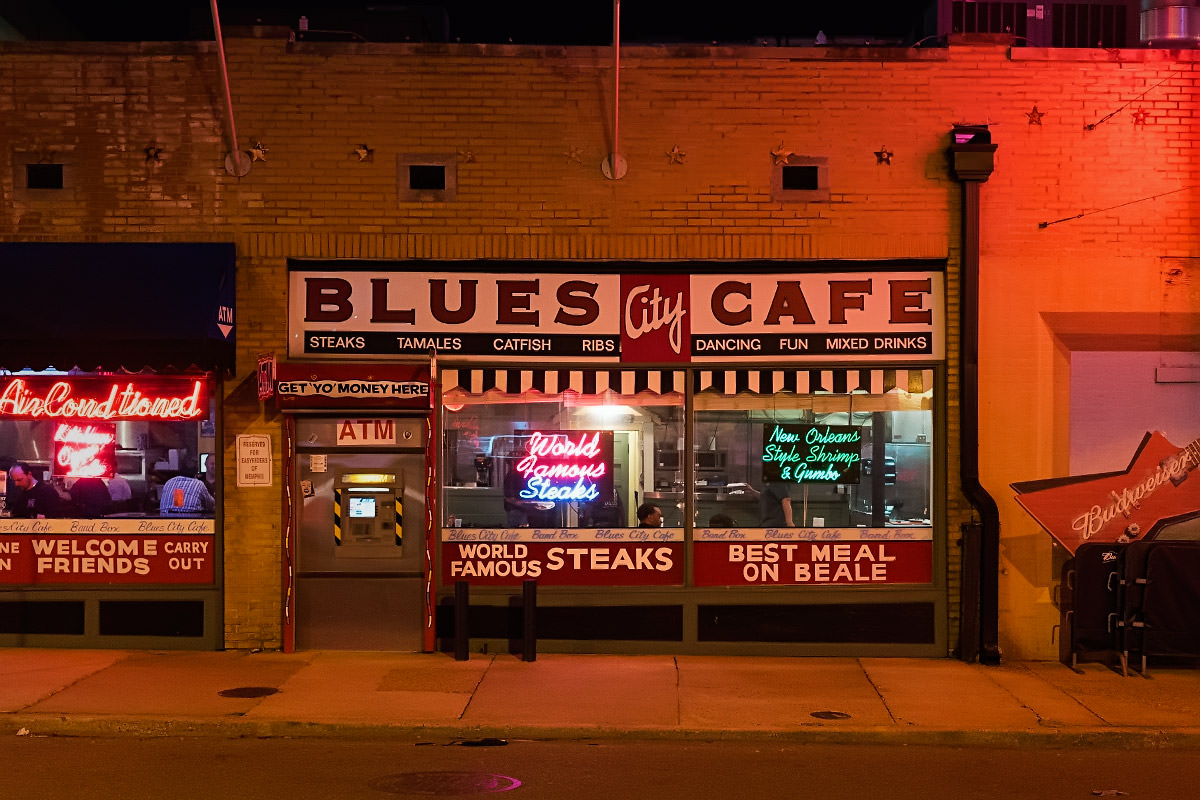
(527, 128)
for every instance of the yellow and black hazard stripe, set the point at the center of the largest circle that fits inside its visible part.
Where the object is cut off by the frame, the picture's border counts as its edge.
(399, 520)
(337, 517)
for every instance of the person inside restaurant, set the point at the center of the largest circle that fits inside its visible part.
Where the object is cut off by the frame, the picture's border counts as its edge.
(37, 499)
(185, 495)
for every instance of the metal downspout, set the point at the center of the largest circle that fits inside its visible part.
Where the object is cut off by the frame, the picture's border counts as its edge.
(614, 167)
(239, 167)
(972, 156)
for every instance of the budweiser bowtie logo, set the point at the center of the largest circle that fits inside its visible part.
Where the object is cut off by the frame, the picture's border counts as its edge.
(654, 318)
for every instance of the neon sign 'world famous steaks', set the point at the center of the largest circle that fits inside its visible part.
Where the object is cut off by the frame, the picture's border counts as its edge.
(100, 399)
(556, 467)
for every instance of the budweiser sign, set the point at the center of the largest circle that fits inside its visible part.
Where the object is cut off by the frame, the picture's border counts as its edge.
(1152, 493)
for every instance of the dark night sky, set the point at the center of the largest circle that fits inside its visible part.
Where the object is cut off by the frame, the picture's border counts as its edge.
(521, 21)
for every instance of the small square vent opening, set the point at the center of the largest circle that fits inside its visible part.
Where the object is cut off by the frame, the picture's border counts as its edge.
(803, 178)
(427, 177)
(43, 176)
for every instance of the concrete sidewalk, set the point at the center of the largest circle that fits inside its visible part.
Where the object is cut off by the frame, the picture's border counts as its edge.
(90, 692)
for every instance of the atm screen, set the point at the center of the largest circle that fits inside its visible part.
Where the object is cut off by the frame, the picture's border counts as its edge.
(362, 506)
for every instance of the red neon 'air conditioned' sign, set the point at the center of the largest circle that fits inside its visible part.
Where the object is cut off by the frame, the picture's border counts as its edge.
(103, 398)
(85, 451)
(561, 466)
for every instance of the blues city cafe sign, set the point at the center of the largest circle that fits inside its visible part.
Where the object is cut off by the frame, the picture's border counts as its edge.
(565, 466)
(890, 311)
(811, 453)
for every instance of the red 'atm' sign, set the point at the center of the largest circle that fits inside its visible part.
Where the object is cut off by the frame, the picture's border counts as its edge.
(566, 466)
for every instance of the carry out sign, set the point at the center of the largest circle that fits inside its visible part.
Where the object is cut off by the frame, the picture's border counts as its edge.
(107, 551)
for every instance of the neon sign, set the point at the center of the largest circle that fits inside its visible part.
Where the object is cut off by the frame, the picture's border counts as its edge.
(103, 399)
(811, 453)
(85, 451)
(564, 466)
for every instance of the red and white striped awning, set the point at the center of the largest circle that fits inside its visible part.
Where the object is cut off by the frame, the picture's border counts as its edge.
(812, 381)
(477, 382)
(556, 381)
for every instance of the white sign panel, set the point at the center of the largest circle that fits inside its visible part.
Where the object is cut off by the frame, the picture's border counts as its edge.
(881, 311)
(354, 388)
(366, 432)
(254, 461)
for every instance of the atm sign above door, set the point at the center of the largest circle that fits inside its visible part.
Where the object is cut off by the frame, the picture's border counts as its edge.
(377, 432)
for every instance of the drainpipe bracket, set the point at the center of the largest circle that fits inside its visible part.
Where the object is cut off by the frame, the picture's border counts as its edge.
(617, 172)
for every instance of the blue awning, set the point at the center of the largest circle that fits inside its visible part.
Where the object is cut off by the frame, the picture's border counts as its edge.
(165, 307)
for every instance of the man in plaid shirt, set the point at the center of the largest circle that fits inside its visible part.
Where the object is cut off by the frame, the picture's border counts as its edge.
(184, 495)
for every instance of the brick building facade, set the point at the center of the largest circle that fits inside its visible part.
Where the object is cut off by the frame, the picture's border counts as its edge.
(1098, 144)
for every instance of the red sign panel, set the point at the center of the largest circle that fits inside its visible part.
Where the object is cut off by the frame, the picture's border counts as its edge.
(85, 451)
(103, 398)
(563, 563)
(351, 385)
(1156, 490)
(44, 559)
(655, 324)
(813, 563)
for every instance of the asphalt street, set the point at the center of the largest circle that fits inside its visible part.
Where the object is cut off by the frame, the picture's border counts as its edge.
(182, 768)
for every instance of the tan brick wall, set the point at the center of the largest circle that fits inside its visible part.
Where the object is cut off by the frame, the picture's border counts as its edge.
(528, 128)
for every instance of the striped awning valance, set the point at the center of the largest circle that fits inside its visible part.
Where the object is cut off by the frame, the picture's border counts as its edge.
(812, 381)
(555, 381)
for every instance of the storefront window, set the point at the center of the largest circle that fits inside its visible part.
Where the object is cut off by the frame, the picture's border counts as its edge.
(108, 446)
(560, 461)
(811, 461)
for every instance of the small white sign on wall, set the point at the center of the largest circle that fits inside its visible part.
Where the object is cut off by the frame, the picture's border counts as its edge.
(253, 460)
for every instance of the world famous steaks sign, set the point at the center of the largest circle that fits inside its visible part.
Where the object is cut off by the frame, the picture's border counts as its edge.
(359, 310)
(1155, 491)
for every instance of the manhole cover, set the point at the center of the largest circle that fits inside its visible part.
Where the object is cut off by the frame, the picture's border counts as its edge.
(444, 783)
(830, 715)
(248, 691)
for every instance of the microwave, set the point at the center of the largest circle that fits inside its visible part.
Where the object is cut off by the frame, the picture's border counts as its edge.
(131, 464)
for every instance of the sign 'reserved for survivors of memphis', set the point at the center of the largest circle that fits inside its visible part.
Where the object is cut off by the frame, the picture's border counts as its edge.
(889, 313)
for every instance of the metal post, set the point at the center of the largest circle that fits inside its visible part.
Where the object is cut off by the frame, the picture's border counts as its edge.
(968, 624)
(462, 625)
(529, 631)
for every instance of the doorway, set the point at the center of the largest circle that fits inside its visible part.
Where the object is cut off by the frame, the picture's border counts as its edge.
(359, 540)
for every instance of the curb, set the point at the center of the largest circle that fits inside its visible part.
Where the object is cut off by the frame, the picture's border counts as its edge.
(146, 727)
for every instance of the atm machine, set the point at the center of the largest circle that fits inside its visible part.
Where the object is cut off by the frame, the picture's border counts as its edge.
(360, 541)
